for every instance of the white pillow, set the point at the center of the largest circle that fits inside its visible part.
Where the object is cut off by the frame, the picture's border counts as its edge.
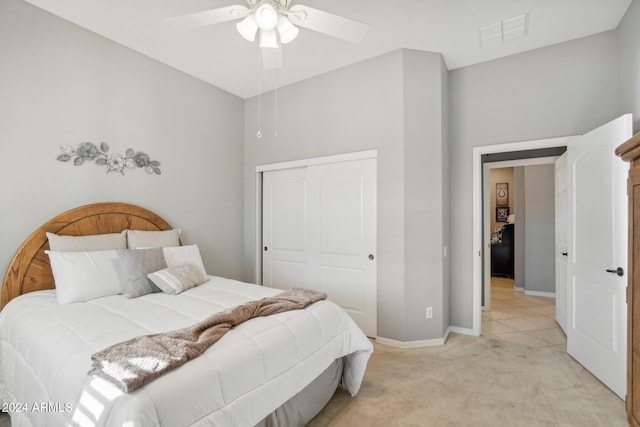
(137, 239)
(178, 255)
(83, 276)
(95, 242)
(173, 280)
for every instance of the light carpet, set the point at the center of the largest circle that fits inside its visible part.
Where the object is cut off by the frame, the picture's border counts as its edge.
(475, 381)
(472, 381)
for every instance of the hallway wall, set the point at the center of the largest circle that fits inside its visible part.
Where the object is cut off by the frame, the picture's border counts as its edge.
(539, 250)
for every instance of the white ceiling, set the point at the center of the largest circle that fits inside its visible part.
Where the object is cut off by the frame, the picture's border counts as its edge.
(219, 55)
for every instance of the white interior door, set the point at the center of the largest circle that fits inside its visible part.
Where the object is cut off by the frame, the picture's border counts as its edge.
(561, 246)
(319, 232)
(597, 232)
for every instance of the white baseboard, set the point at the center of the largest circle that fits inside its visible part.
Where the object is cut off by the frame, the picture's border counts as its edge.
(519, 289)
(540, 294)
(463, 331)
(414, 344)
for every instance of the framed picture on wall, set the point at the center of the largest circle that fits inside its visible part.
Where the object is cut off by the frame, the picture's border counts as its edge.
(502, 194)
(502, 213)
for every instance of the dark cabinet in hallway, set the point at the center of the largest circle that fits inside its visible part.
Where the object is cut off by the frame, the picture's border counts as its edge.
(502, 253)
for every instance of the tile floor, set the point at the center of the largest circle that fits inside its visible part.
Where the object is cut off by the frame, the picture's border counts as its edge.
(522, 319)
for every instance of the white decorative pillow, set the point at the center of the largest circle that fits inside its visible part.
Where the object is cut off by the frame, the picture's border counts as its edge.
(179, 278)
(179, 255)
(137, 239)
(83, 276)
(96, 242)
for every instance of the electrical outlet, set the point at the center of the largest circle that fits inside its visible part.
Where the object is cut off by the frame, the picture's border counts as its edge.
(429, 312)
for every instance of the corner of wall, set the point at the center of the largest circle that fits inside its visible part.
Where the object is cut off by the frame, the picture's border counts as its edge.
(628, 63)
(426, 201)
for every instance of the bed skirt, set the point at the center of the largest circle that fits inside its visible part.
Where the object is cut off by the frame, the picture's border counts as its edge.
(304, 406)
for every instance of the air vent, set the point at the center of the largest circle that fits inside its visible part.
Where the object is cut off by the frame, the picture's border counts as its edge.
(504, 31)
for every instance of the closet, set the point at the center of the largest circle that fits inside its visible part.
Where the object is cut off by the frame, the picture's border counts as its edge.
(630, 152)
(319, 232)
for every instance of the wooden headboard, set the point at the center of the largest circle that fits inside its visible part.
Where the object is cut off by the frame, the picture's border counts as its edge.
(30, 270)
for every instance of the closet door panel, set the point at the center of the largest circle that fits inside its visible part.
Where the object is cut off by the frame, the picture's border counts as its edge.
(319, 232)
(343, 237)
(285, 238)
(340, 211)
(345, 285)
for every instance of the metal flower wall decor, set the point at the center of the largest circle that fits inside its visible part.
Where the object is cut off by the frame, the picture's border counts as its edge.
(90, 152)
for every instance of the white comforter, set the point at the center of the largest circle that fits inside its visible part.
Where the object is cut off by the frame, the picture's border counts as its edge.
(46, 348)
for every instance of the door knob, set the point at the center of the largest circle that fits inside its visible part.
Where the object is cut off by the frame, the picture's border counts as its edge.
(619, 271)
(564, 253)
(371, 257)
(266, 248)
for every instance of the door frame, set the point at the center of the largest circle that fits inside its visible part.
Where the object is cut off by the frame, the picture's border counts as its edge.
(487, 166)
(337, 158)
(478, 226)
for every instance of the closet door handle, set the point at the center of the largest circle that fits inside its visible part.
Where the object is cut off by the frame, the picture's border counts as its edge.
(371, 257)
(619, 271)
(564, 253)
(266, 249)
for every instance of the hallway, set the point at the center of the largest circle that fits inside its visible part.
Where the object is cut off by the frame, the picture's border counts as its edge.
(522, 319)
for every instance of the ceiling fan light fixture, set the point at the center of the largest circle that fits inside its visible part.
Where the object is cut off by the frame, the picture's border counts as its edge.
(266, 15)
(269, 38)
(248, 28)
(288, 31)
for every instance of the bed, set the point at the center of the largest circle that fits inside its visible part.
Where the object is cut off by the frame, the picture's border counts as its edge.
(268, 371)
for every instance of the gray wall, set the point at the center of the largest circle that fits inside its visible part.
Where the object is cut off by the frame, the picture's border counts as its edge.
(61, 85)
(629, 63)
(519, 228)
(446, 201)
(337, 112)
(424, 182)
(566, 89)
(391, 103)
(539, 224)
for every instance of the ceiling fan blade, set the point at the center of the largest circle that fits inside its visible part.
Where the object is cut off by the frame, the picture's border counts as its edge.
(209, 17)
(327, 23)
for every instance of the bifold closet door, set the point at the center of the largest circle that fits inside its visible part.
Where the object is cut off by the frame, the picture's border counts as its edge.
(319, 232)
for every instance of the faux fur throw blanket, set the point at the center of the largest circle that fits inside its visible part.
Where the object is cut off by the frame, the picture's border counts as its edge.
(136, 362)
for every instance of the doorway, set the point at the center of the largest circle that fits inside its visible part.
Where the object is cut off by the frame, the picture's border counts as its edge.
(478, 222)
(519, 298)
(505, 247)
(596, 200)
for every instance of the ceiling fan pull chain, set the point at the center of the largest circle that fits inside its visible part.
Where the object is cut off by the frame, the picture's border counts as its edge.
(275, 105)
(259, 133)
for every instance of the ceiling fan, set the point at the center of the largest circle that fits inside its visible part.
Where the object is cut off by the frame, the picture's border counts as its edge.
(276, 21)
